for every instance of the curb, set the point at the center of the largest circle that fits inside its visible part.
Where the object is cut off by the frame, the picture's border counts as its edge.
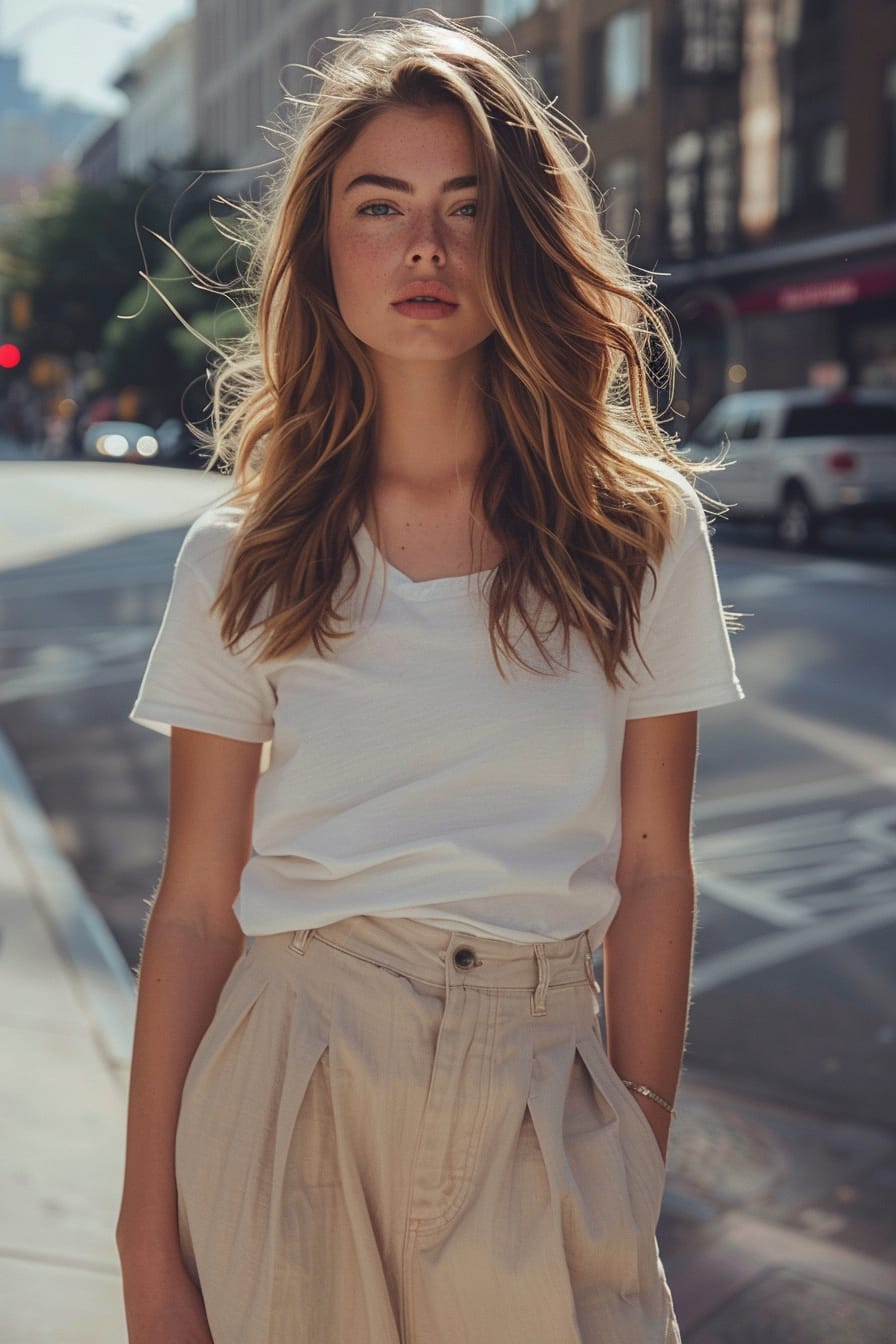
(94, 960)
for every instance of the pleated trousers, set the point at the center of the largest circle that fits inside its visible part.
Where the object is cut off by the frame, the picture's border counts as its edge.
(394, 1134)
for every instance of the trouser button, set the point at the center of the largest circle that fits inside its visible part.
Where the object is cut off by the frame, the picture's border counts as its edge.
(464, 958)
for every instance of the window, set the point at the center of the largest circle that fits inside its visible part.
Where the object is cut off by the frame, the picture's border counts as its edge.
(510, 11)
(546, 68)
(830, 158)
(622, 181)
(812, 172)
(710, 36)
(724, 420)
(722, 152)
(683, 194)
(836, 418)
(752, 426)
(617, 63)
(626, 59)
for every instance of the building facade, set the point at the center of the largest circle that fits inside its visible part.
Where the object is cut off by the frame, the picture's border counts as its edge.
(98, 159)
(249, 55)
(159, 126)
(746, 151)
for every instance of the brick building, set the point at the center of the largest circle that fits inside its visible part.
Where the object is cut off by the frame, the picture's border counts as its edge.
(747, 149)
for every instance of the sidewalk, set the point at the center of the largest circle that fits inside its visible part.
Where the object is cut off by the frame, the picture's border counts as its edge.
(66, 1012)
(777, 1228)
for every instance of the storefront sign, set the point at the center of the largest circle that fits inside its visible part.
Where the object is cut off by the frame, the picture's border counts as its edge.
(834, 291)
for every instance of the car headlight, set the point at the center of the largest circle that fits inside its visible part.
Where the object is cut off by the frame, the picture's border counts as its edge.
(113, 445)
(147, 445)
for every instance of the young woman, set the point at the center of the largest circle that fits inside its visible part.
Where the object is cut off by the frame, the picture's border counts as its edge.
(465, 593)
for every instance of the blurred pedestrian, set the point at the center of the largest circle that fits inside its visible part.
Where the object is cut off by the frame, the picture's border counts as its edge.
(463, 589)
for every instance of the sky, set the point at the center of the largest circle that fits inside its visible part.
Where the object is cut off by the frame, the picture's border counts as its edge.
(74, 50)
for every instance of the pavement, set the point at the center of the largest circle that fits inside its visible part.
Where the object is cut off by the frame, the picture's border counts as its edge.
(778, 1226)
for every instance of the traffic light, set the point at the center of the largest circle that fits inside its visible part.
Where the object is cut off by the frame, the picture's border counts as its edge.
(10, 356)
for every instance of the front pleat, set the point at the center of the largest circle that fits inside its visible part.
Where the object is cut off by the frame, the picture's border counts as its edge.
(239, 1112)
(216, 1129)
(283, 1282)
(358, 1081)
(579, 1135)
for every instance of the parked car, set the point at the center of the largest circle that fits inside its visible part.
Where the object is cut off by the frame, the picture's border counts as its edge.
(129, 441)
(802, 457)
(121, 441)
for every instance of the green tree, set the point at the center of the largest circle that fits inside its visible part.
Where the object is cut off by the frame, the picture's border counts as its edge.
(151, 343)
(74, 253)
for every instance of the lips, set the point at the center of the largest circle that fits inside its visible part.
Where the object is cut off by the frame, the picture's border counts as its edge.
(426, 289)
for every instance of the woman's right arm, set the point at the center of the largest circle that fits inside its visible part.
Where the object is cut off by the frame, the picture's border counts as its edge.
(192, 942)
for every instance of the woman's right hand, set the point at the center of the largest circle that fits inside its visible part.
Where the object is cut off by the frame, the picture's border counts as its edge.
(168, 1313)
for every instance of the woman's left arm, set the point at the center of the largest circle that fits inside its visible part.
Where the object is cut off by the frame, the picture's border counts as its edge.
(649, 946)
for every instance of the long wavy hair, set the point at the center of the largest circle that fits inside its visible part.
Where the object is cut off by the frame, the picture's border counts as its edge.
(572, 486)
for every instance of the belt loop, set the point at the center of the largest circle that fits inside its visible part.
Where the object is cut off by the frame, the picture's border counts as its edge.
(300, 940)
(539, 1005)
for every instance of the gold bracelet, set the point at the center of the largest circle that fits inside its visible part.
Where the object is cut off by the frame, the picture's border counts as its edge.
(649, 1092)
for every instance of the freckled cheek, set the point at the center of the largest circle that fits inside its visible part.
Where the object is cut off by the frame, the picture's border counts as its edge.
(359, 274)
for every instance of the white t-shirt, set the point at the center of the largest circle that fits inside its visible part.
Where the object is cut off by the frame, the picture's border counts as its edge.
(406, 777)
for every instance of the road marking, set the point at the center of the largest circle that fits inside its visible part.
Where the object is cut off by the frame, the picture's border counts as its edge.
(708, 809)
(800, 870)
(863, 752)
(104, 658)
(775, 948)
(847, 571)
(112, 578)
(756, 587)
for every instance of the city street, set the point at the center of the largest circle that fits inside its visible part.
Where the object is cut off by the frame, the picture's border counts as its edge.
(485, 232)
(796, 797)
(795, 1003)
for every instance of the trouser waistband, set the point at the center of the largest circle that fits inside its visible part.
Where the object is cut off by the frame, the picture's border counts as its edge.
(436, 956)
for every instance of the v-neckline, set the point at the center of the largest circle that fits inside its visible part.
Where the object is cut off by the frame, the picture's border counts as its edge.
(398, 580)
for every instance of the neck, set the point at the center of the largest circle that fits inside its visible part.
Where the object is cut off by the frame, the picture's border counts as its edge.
(430, 426)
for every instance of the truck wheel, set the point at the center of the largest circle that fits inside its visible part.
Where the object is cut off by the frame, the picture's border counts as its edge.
(796, 527)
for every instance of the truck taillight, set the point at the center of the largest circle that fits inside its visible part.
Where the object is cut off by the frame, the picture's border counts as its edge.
(842, 461)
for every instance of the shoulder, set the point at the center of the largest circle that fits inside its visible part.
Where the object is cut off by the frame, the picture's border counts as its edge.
(687, 520)
(207, 545)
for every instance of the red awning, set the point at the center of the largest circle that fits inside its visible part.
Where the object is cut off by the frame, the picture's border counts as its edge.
(830, 291)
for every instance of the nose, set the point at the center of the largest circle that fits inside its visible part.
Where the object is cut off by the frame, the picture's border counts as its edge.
(423, 253)
(426, 243)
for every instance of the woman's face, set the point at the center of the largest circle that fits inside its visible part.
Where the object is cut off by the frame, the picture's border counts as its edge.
(401, 236)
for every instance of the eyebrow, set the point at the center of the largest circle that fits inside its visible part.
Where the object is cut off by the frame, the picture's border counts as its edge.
(396, 183)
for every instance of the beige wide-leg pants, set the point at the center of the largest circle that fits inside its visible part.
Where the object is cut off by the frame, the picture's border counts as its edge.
(392, 1134)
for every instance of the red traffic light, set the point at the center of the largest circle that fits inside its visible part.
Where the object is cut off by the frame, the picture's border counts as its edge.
(10, 356)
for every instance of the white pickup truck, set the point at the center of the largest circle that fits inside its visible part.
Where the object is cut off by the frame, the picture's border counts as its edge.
(799, 458)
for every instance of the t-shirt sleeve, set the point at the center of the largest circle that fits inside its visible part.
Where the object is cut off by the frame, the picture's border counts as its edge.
(687, 659)
(192, 679)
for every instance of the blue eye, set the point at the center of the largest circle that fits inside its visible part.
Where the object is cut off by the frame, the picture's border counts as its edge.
(470, 205)
(374, 206)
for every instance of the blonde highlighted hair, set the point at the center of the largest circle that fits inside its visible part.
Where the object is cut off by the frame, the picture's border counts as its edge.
(568, 487)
